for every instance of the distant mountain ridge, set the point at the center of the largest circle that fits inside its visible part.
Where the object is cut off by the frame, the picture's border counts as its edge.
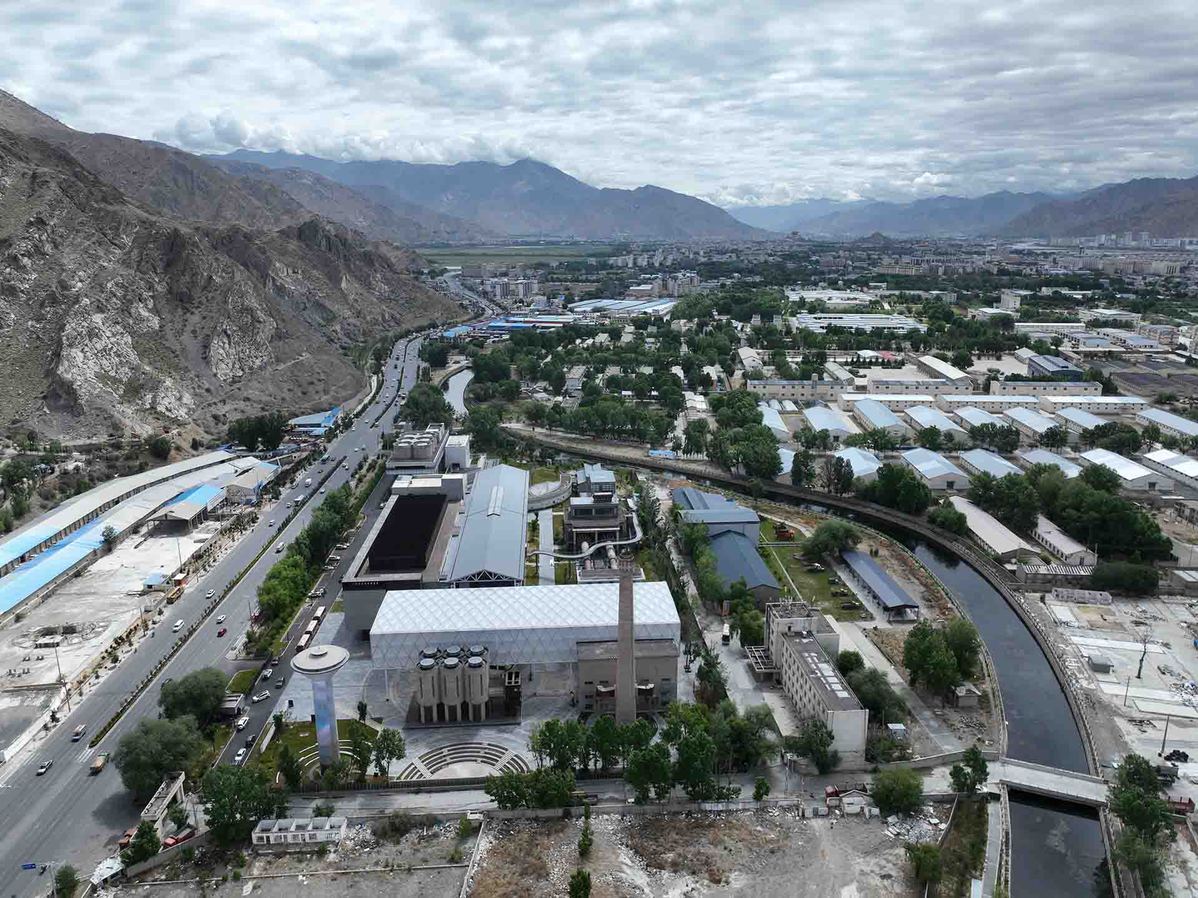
(1164, 207)
(790, 216)
(522, 199)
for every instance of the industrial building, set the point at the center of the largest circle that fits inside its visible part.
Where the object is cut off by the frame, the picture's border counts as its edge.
(1181, 469)
(518, 632)
(891, 599)
(1003, 543)
(734, 532)
(1076, 420)
(772, 419)
(1134, 476)
(1061, 544)
(1099, 405)
(865, 464)
(715, 512)
(314, 425)
(942, 369)
(420, 451)
(488, 547)
(836, 423)
(873, 415)
(405, 546)
(923, 416)
(1170, 424)
(1031, 457)
(972, 416)
(1054, 367)
(1045, 388)
(935, 470)
(1030, 423)
(595, 513)
(896, 402)
(982, 461)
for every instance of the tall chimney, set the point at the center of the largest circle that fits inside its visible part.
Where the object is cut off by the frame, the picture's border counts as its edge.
(625, 654)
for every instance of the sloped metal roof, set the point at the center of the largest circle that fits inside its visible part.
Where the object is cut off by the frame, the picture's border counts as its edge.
(926, 416)
(492, 535)
(737, 558)
(931, 464)
(862, 462)
(1124, 467)
(1044, 457)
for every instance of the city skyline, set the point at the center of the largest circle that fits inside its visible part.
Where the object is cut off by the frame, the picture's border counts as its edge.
(755, 106)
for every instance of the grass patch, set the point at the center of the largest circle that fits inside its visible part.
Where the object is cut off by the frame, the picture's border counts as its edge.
(531, 577)
(815, 587)
(645, 559)
(242, 681)
(544, 474)
(300, 736)
(559, 528)
(218, 738)
(963, 852)
(337, 607)
(564, 572)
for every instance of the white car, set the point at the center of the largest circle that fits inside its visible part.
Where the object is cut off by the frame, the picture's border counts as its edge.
(177, 627)
(220, 619)
(270, 523)
(268, 673)
(260, 697)
(210, 593)
(242, 722)
(239, 757)
(323, 490)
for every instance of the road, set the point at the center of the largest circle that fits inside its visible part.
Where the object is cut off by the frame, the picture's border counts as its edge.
(67, 816)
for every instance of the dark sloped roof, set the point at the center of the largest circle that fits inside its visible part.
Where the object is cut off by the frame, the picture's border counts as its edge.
(890, 595)
(737, 558)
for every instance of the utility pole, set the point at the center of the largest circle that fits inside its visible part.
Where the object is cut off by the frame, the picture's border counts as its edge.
(1143, 655)
(1166, 736)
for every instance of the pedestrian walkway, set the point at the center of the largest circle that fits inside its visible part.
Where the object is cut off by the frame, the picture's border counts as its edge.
(545, 562)
(993, 848)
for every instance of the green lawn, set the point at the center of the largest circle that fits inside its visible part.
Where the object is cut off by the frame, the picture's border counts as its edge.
(242, 681)
(564, 572)
(301, 736)
(337, 606)
(559, 528)
(963, 852)
(544, 474)
(645, 559)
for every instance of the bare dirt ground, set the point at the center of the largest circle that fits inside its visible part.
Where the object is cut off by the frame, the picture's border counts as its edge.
(767, 854)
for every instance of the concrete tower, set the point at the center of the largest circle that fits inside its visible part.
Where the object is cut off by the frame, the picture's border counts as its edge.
(318, 664)
(625, 654)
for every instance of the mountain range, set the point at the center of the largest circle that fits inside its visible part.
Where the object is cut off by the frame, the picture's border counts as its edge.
(1164, 207)
(522, 199)
(146, 290)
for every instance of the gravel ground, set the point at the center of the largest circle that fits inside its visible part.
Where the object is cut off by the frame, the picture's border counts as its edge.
(767, 854)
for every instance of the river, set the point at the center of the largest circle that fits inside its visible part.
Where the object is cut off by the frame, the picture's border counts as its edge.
(455, 391)
(1056, 849)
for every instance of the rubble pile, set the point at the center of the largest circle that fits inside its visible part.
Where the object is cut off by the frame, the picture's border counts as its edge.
(924, 826)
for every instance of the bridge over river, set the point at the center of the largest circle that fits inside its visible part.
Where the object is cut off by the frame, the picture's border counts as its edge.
(1050, 782)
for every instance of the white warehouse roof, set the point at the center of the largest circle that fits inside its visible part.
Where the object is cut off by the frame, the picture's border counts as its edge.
(1170, 421)
(875, 415)
(1044, 457)
(976, 417)
(517, 624)
(1079, 418)
(1036, 422)
(863, 463)
(992, 533)
(931, 464)
(821, 417)
(1175, 461)
(987, 462)
(943, 368)
(926, 416)
(1128, 470)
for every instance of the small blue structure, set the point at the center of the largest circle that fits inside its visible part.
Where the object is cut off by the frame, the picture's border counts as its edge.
(315, 425)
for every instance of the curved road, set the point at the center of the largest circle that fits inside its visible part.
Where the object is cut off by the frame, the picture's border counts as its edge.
(68, 816)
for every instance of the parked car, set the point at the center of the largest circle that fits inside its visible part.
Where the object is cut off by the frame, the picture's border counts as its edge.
(44, 766)
(178, 625)
(242, 722)
(270, 523)
(210, 594)
(181, 836)
(239, 758)
(220, 618)
(79, 731)
(126, 838)
(268, 673)
(221, 632)
(280, 682)
(261, 697)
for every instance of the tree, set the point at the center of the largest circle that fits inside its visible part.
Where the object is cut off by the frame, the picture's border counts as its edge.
(289, 768)
(66, 880)
(389, 746)
(159, 447)
(838, 475)
(962, 640)
(1055, 437)
(1012, 499)
(899, 488)
(484, 424)
(971, 773)
(876, 694)
(925, 861)
(930, 438)
(649, 772)
(580, 884)
(1101, 478)
(361, 750)
(605, 739)
(761, 788)
(143, 846)
(695, 436)
(830, 539)
(1123, 576)
(154, 748)
(586, 838)
(108, 537)
(802, 469)
(849, 661)
(814, 742)
(948, 518)
(928, 658)
(1134, 797)
(177, 815)
(694, 763)
(198, 694)
(235, 799)
(1000, 438)
(897, 791)
(426, 405)
(710, 677)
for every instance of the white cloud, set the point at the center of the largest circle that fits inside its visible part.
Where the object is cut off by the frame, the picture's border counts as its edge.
(760, 103)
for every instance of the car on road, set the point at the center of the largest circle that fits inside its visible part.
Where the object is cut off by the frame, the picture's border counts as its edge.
(79, 731)
(44, 766)
(210, 593)
(343, 546)
(220, 618)
(323, 491)
(242, 722)
(280, 547)
(268, 673)
(280, 682)
(260, 697)
(270, 523)
(221, 632)
(250, 740)
(178, 625)
(239, 757)
(334, 558)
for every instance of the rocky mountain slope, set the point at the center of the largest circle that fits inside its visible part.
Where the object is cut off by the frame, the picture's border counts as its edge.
(116, 317)
(374, 211)
(1164, 207)
(525, 198)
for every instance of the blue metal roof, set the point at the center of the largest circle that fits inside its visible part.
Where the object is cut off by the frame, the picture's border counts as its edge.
(317, 423)
(43, 568)
(737, 558)
(201, 495)
(889, 594)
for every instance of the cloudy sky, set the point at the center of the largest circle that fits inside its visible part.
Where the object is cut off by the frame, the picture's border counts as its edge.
(753, 102)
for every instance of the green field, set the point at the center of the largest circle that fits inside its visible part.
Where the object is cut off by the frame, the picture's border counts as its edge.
(510, 255)
(815, 587)
(243, 681)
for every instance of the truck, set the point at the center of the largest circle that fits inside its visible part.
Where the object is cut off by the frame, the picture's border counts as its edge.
(99, 762)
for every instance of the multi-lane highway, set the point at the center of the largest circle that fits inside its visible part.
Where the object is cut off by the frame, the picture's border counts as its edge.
(68, 816)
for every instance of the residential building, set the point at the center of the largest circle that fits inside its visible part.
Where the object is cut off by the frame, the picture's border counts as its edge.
(1170, 424)
(896, 402)
(1061, 544)
(982, 461)
(936, 471)
(986, 402)
(1045, 388)
(998, 539)
(1134, 477)
(1099, 405)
